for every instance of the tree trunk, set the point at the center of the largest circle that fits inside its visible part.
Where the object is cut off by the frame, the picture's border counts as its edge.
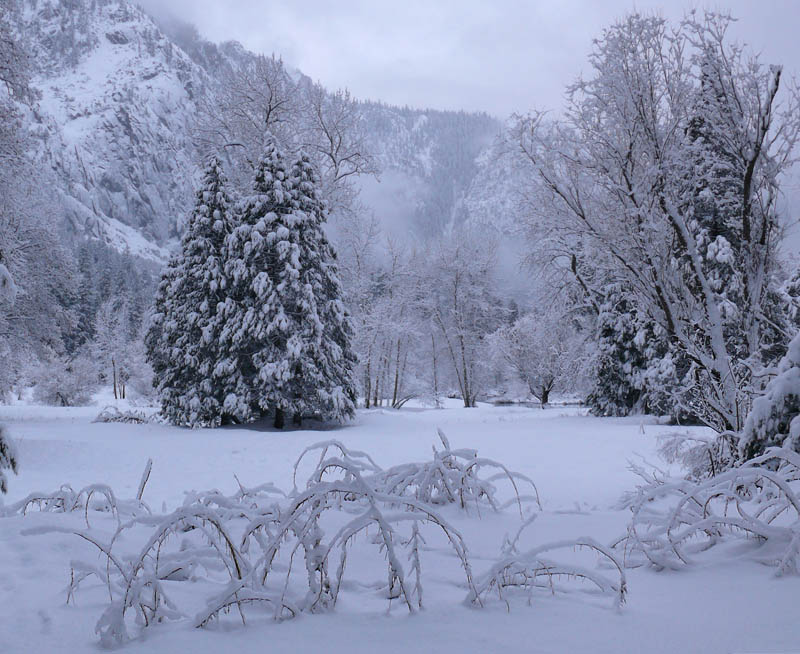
(396, 388)
(297, 419)
(279, 419)
(368, 379)
(114, 376)
(435, 374)
(545, 396)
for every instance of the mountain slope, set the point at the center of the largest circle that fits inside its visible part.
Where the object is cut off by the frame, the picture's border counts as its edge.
(119, 98)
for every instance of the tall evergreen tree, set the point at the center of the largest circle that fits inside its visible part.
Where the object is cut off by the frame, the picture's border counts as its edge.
(183, 338)
(721, 224)
(774, 420)
(309, 327)
(248, 349)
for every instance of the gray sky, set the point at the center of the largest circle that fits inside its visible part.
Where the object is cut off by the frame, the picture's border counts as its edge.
(498, 56)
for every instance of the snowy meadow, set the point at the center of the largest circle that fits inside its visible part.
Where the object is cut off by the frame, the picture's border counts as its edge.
(580, 465)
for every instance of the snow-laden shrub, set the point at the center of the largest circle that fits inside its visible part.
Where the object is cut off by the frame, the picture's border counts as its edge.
(453, 476)
(700, 456)
(759, 501)
(8, 459)
(66, 383)
(774, 420)
(130, 416)
(256, 549)
(95, 497)
(531, 571)
(288, 553)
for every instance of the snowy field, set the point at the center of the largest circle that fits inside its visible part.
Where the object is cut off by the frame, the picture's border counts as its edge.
(723, 603)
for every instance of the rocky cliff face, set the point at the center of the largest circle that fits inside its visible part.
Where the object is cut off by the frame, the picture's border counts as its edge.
(119, 96)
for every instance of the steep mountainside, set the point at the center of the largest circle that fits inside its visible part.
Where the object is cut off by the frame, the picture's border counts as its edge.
(119, 96)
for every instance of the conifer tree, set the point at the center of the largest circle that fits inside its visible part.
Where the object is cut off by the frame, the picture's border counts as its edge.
(309, 327)
(182, 340)
(636, 370)
(8, 458)
(774, 420)
(248, 348)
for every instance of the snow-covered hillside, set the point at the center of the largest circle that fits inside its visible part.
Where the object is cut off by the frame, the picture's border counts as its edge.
(119, 97)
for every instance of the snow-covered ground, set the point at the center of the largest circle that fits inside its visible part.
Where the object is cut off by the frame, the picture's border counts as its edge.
(723, 603)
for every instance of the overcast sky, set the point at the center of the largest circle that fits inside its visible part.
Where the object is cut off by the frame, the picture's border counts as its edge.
(498, 56)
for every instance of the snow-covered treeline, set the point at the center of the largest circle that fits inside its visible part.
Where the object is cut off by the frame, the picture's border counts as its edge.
(657, 195)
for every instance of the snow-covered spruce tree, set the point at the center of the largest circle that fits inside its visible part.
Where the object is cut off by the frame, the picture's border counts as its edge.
(620, 363)
(635, 369)
(247, 348)
(8, 458)
(775, 417)
(183, 338)
(721, 226)
(309, 330)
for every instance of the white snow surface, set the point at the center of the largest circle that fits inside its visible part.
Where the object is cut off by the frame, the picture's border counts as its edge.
(723, 603)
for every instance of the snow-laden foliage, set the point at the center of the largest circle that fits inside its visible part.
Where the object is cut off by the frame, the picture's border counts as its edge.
(244, 341)
(700, 456)
(8, 459)
(260, 551)
(758, 502)
(453, 477)
(65, 381)
(774, 420)
(183, 337)
(284, 333)
(95, 497)
(543, 350)
(312, 361)
(524, 573)
(635, 370)
(130, 416)
(287, 554)
(663, 177)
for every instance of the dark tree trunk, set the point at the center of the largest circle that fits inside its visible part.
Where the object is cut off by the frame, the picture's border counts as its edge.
(297, 419)
(279, 419)
(545, 396)
(114, 370)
